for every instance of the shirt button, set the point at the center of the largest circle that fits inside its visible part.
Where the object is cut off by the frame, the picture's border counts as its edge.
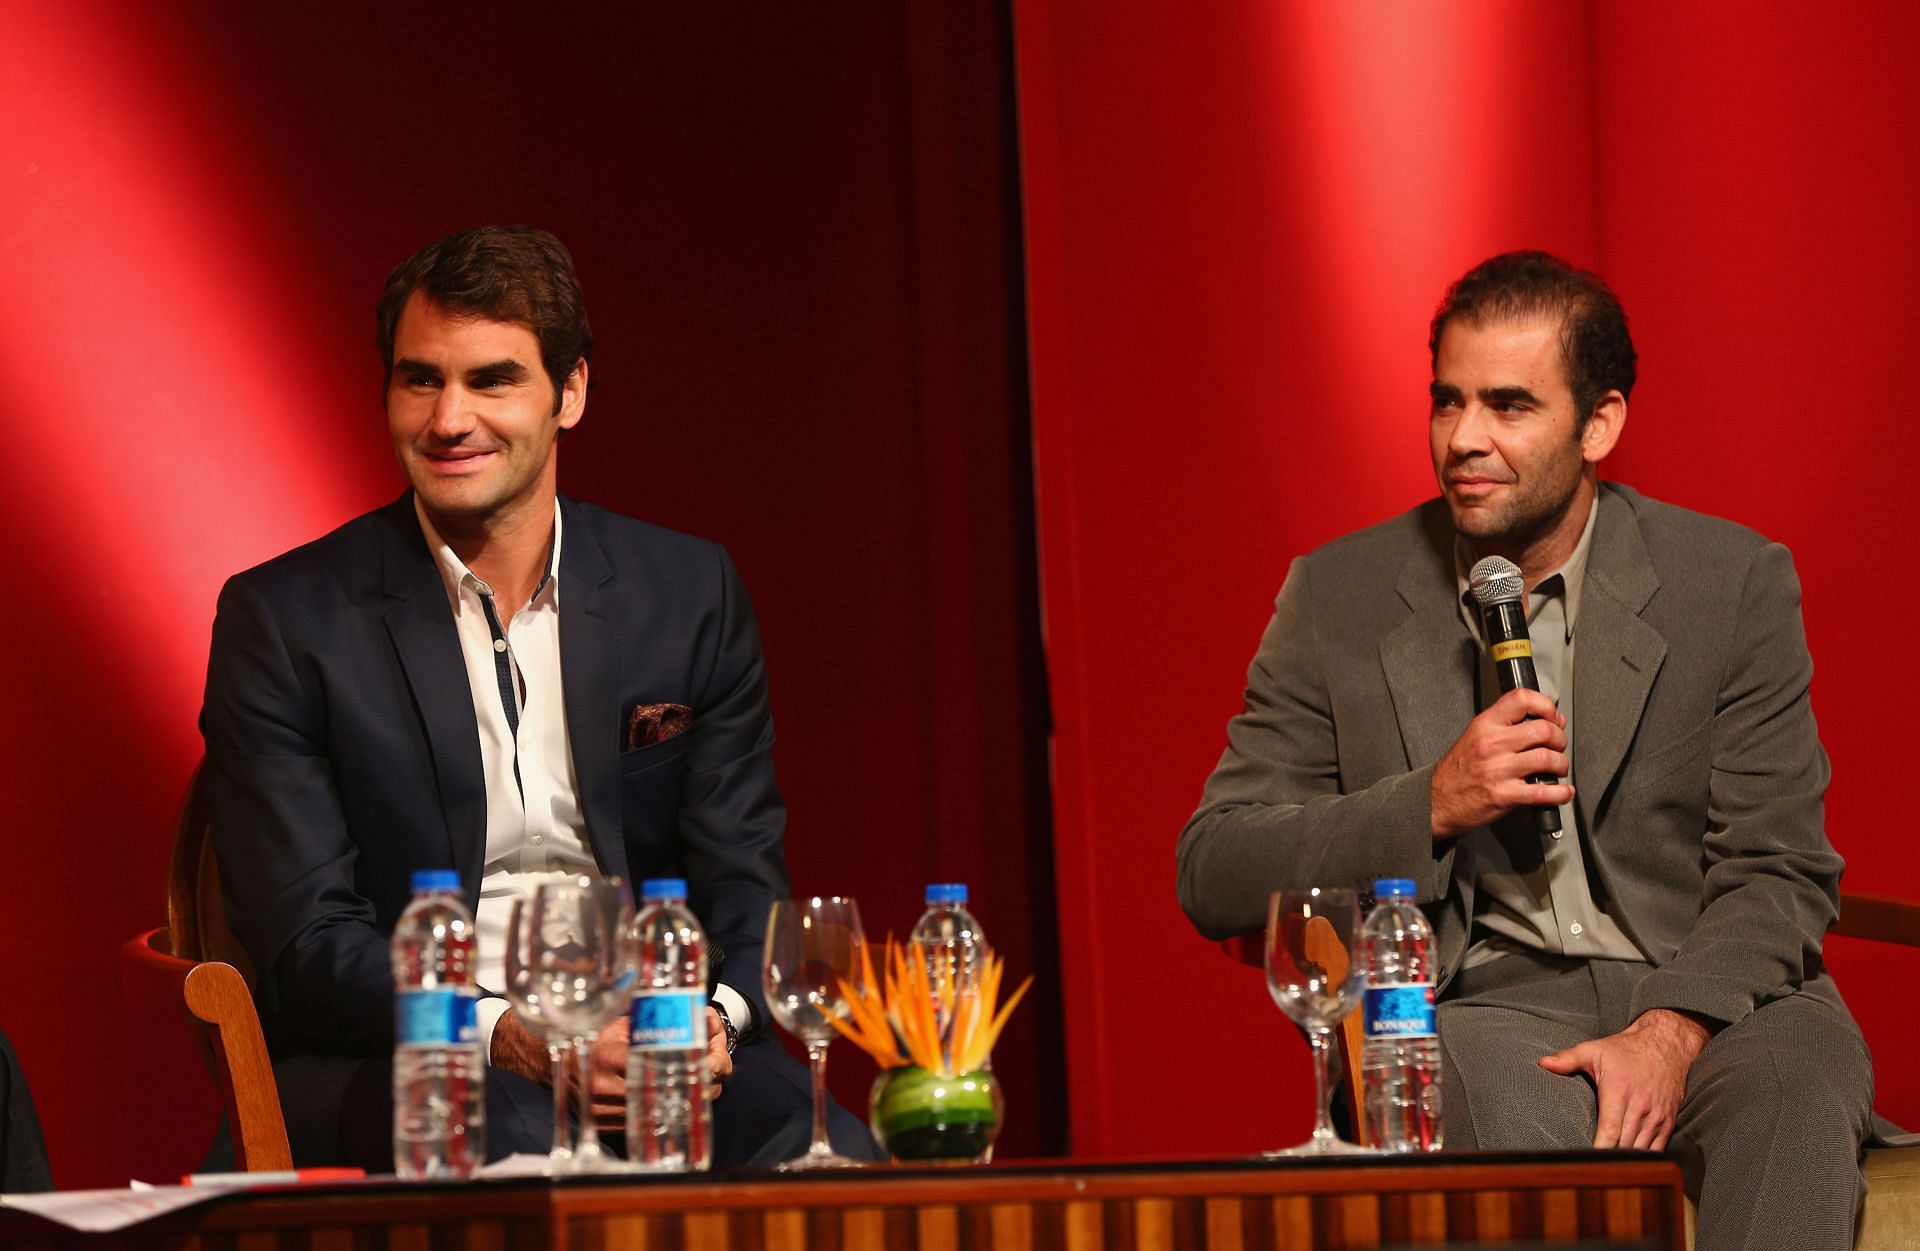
(1573, 929)
(1558, 833)
(538, 839)
(499, 645)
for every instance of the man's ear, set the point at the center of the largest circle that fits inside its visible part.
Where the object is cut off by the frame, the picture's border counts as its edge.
(573, 396)
(1603, 428)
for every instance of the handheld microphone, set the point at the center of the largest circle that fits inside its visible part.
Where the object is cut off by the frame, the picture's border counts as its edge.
(1497, 587)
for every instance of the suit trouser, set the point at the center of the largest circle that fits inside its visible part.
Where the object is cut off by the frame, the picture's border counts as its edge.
(23, 1153)
(340, 1111)
(1768, 1134)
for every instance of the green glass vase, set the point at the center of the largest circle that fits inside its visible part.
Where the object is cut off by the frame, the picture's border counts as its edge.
(920, 1116)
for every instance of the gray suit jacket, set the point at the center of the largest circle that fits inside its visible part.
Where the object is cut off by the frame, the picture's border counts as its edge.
(1699, 770)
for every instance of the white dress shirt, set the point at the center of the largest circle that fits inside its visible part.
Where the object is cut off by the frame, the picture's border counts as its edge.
(536, 829)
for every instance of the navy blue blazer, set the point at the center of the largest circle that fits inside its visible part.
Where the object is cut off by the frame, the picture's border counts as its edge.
(343, 753)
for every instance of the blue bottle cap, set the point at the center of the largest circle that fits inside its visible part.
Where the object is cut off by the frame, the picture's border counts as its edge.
(946, 892)
(436, 880)
(674, 888)
(1389, 886)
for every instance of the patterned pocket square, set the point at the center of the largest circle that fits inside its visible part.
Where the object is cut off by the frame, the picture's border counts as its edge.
(656, 723)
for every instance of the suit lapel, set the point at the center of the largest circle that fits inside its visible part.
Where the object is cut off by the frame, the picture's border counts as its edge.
(1430, 660)
(421, 626)
(590, 680)
(1616, 654)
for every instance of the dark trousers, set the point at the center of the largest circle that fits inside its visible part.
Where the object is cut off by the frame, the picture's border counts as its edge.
(340, 1111)
(23, 1153)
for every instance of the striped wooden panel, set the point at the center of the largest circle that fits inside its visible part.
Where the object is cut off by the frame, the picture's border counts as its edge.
(1591, 1201)
(1616, 1216)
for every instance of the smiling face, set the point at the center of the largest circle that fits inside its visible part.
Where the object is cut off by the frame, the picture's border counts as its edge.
(1513, 461)
(473, 416)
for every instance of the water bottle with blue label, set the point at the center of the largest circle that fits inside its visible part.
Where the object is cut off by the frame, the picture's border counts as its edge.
(669, 1123)
(1400, 1065)
(439, 1096)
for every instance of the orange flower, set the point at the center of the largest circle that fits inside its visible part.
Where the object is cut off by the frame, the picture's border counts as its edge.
(896, 1023)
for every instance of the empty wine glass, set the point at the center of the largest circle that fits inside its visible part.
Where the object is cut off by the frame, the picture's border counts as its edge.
(570, 969)
(529, 999)
(1313, 976)
(813, 945)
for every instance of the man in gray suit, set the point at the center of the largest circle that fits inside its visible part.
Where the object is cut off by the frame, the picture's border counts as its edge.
(1653, 972)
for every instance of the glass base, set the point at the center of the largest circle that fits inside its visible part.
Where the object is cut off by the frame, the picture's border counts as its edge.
(606, 1162)
(811, 1161)
(1318, 1147)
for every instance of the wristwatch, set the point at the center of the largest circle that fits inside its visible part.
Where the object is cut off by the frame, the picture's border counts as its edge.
(726, 1023)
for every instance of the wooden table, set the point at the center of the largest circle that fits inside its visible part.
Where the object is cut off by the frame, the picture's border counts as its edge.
(1612, 1199)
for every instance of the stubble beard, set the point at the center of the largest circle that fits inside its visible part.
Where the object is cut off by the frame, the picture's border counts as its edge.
(492, 494)
(1520, 520)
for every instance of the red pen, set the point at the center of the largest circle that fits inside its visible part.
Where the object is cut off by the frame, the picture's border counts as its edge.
(281, 1177)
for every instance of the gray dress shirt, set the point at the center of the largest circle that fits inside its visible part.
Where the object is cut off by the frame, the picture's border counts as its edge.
(1534, 892)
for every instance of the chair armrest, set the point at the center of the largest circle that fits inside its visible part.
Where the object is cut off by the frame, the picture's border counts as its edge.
(1878, 918)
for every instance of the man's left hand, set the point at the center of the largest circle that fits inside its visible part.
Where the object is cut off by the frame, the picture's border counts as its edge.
(1640, 1074)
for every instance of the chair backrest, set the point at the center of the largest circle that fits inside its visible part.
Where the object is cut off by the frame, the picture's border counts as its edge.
(196, 908)
(196, 962)
(227, 1031)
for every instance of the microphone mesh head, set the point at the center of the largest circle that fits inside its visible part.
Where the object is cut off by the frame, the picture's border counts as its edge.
(1495, 580)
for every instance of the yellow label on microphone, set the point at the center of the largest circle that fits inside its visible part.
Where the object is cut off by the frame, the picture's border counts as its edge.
(1513, 649)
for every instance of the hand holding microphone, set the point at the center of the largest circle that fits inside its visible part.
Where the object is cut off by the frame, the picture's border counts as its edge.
(1514, 753)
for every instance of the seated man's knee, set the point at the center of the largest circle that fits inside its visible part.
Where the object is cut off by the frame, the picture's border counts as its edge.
(1496, 1096)
(1795, 1062)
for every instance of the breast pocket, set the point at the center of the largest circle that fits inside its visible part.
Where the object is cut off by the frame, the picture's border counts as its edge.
(652, 780)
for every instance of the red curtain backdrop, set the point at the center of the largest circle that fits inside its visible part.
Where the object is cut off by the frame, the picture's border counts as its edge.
(797, 233)
(1239, 219)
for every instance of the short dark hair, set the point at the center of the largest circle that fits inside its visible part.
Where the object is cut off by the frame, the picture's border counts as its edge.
(1594, 343)
(502, 273)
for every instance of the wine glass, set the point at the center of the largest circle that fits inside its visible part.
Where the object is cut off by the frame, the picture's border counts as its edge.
(1314, 978)
(570, 968)
(813, 945)
(529, 1000)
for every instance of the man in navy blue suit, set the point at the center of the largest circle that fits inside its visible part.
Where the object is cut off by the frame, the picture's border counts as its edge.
(489, 676)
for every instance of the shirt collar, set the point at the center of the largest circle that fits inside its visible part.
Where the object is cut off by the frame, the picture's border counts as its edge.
(1567, 581)
(454, 573)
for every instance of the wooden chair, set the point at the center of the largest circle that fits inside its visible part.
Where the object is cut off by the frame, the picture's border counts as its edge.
(1891, 1219)
(195, 961)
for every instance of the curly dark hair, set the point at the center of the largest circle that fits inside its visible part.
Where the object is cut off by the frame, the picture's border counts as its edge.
(1594, 343)
(502, 273)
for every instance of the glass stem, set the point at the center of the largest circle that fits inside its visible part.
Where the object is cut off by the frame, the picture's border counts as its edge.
(588, 1145)
(562, 1137)
(1322, 1074)
(817, 1062)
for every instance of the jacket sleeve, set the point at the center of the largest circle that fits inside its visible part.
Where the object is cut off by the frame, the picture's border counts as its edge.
(1273, 815)
(1772, 881)
(286, 860)
(732, 819)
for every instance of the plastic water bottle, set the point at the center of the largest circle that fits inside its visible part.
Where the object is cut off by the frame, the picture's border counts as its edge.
(1400, 1066)
(669, 1121)
(949, 939)
(439, 1097)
